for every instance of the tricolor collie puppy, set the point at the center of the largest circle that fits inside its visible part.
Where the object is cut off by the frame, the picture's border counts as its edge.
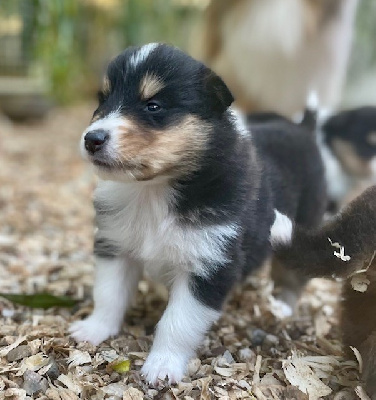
(187, 195)
(344, 247)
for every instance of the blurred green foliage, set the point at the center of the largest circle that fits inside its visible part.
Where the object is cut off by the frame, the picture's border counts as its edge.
(39, 300)
(70, 42)
(74, 39)
(363, 55)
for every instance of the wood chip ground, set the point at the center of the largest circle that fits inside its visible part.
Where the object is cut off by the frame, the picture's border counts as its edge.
(46, 230)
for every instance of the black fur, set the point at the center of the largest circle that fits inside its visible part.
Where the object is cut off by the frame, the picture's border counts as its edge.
(200, 92)
(311, 253)
(285, 173)
(353, 126)
(105, 248)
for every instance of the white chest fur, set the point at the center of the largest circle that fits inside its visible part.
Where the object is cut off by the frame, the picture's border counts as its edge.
(138, 218)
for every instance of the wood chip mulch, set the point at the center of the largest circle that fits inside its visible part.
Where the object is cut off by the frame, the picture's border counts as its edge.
(46, 231)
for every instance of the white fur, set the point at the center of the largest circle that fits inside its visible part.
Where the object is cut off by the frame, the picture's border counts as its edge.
(115, 284)
(280, 308)
(281, 230)
(240, 122)
(337, 181)
(179, 332)
(313, 100)
(373, 170)
(142, 54)
(312, 103)
(136, 217)
(142, 224)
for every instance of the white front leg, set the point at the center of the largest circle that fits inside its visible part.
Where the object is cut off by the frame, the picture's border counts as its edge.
(115, 285)
(179, 333)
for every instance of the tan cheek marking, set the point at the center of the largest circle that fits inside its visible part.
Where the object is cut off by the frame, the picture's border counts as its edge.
(95, 118)
(150, 85)
(349, 159)
(175, 150)
(371, 138)
(106, 87)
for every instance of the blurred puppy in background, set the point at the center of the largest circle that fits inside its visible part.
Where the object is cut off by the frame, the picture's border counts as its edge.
(347, 142)
(348, 147)
(344, 247)
(271, 53)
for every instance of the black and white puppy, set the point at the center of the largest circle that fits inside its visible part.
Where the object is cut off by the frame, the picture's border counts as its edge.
(187, 195)
(348, 145)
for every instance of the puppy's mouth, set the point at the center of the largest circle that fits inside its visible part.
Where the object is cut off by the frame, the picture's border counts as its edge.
(109, 165)
(103, 164)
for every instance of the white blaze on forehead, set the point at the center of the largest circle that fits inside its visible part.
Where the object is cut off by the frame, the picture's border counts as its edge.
(108, 123)
(142, 54)
(281, 230)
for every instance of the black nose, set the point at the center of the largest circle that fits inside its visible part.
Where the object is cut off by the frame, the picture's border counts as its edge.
(94, 140)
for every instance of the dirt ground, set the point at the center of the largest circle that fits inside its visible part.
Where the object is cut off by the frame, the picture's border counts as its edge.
(46, 230)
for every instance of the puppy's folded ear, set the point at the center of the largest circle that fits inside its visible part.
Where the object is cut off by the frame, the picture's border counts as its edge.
(218, 93)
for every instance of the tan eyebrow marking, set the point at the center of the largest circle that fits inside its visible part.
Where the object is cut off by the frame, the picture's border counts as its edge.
(150, 85)
(371, 138)
(106, 87)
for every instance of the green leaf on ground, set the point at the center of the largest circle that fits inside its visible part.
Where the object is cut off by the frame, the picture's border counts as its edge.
(121, 367)
(39, 300)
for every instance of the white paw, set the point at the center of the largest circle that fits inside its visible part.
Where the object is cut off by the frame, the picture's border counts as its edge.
(93, 330)
(160, 365)
(280, 308)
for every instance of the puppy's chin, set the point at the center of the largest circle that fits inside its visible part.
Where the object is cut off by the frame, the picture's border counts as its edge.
(129, 176)
(114, 174)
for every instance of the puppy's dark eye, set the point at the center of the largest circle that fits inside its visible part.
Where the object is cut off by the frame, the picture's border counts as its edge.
(153, 106)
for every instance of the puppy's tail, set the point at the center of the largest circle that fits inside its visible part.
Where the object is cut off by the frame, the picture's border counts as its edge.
(342, 246)
(310, 114)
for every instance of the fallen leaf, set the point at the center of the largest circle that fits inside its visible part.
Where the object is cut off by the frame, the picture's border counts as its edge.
(5, 350)
(361, 393)
(78, 357)
(299, 374)
(358, 358)
(133, 394)
(39, 300)
(360, 282)
(120, 366)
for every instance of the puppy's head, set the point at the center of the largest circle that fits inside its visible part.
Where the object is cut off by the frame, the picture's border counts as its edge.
(155, 115)
(352, 137)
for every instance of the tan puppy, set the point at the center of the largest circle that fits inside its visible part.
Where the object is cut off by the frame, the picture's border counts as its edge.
(271, 53)
(344, 247)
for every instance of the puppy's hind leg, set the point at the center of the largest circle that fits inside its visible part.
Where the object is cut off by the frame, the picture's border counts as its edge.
(115, 284)
(288, 284)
